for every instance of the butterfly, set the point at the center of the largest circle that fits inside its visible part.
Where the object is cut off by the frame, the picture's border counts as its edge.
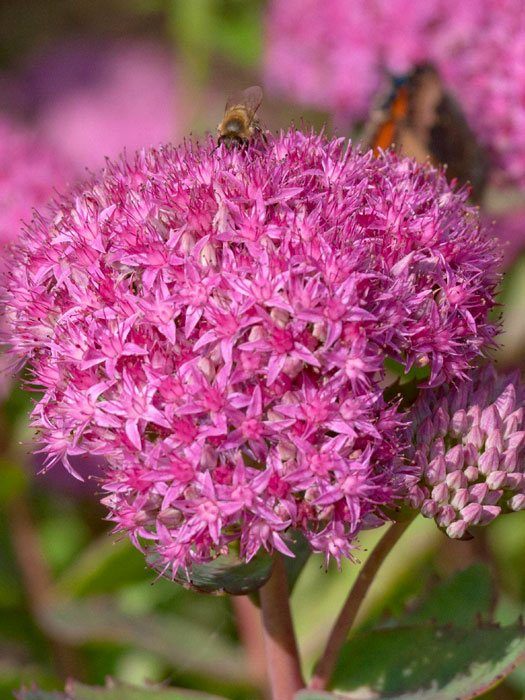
(421, 120)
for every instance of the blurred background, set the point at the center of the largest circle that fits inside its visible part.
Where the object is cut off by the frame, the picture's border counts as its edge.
(84, 80)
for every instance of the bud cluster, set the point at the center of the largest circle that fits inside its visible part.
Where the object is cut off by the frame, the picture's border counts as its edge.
(469, 442)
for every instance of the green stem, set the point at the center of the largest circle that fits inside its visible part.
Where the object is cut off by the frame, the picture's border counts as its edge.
(282, 657)
(344, 623)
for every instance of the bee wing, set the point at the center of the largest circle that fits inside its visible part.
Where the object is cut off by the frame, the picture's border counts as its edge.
(249, 99)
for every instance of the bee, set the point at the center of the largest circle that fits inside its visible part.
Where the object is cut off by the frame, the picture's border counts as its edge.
(423, 121)
(239, 124)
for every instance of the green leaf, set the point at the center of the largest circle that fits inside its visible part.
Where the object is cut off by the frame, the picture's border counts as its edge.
(459, 600)
(119, 691)
(428, 662)
(35, 694)
(228, 574)
(114, 691)
(405, 385)
(181, 643)
(398, 370)
(314, 695)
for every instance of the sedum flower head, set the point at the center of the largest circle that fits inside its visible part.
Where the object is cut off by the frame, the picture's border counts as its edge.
(469, 444)
(335, 54)
(215, 322)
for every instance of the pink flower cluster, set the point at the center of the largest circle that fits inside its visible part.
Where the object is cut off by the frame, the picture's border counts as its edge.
(215, 322)
(469, 444)
(336, 54)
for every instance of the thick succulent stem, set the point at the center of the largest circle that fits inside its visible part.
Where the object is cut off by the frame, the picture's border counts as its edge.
(343, 624)
(251, 634)
(284, 669)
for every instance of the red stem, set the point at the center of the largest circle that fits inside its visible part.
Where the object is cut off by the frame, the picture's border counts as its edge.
(282, 658)
(251, 634)
(342, 626)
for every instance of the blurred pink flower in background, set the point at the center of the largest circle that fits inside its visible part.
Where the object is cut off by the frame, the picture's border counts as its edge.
(92, 100)
(510, 229)
(29, 173)
(335, 55)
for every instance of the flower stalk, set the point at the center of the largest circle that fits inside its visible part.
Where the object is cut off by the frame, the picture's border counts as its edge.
(345, 621)
(251, 633)
(282, 657)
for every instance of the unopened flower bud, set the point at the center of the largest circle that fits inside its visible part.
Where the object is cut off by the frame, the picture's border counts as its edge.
(460, 499)
(478, 492)
(490, 419)
(280, 317)
(207, 368)
(429, 509)
(445, 516)
(510, 460)
(516, 440)
(472, 513)
(495, 441)
(506, 401)
(515, 481)
(488, 514)
(496, 479)
(440, 493)
(459, 423)
(489, 461)
(455, 458)
(437, 448)
(475, 437)
(471, 473)
(493, 497)
(436, 471)
(456, 480)
(457, 529)
(517, 502)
